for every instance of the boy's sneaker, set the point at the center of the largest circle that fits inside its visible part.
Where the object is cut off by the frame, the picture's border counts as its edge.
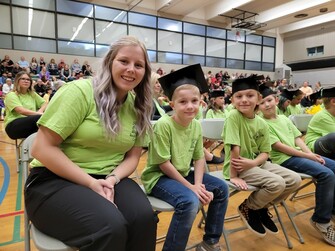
(203, 246)
(328, 233)
(267, 222)
(251, 218)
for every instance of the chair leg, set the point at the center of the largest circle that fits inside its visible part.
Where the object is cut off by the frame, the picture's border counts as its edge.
(26, 232)
(18, 155)
(289, 243)
(225, 236)
(295, 194)
(290, 216)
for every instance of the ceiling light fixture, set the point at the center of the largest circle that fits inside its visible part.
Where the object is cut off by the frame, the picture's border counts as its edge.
(302, 15)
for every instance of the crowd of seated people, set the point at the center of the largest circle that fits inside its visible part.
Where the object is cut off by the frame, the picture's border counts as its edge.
(47, 75)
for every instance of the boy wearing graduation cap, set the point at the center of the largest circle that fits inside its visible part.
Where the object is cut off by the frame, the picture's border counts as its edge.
(290, 151)
(320, 136)
(247, 147)
(176, 141)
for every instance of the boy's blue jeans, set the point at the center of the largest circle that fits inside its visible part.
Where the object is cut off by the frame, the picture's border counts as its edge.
(186, 204)
(325, 184)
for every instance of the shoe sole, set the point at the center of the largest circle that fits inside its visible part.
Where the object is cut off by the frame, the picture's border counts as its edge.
(248, 226)
(269, 231)
(318, 230)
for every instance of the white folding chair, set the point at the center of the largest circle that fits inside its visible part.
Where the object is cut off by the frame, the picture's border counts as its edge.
(18, 144)
(42, 241)
(301, 121)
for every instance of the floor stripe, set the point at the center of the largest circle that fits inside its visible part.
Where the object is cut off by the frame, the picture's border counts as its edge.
(11, 214)
(6, 179)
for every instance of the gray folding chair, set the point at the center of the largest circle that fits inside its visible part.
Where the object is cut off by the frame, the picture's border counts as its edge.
(42, 241)
(301, 121)
(234, 190)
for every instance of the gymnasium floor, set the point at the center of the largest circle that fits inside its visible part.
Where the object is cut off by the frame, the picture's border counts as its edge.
(11, 215)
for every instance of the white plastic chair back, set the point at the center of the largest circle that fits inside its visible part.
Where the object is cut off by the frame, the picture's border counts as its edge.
(212, 128)
(301, 121)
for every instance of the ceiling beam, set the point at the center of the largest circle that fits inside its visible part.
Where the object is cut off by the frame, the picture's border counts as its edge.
(222, 7)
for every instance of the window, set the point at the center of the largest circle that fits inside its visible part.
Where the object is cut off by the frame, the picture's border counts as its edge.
(5, 41)
(215, 62)
(235, 50)
(147, 36)
(5, 19)
(109, 32)
(71, 7)
(72, 48)
(34, 44)
(40, 4)
(169, 41)
(216, 32)
(169, 58)
(196, 29)
(75, 28)
(110, 14)
(315, 51)
(270, 41)
(216, 48)
(142, 20)
(169, 24)
(192, 59)
(33, 22)
(268, 54)
(253, 52)
(194, 45)
(255, 39)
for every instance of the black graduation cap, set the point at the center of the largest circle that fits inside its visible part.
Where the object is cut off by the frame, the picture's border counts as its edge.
(328, 92)
(244, 84)
(314, 96)
(289, 93)
(170, 81)
(216, 93)
(265, 90)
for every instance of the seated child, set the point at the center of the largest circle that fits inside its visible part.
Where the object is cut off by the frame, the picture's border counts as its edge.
(289, 102)
(320, 134)
(247, 147)
(290, 151)
(168, 176)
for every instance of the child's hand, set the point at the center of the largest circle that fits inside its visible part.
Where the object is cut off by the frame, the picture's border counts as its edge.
(239, 183)
(204, 196)
(241, 164)
(320, 159)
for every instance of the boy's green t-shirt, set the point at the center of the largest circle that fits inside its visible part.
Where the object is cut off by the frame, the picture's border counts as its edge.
(293, 110)
(30, 100)
(321, 124)
(72, 113)
(282, 130)
(171, 141)
(219, 114)
(251, 135)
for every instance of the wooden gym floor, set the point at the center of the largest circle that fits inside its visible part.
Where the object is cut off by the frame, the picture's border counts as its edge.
(11, 214)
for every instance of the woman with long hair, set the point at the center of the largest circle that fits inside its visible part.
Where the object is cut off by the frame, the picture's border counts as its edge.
(89, 141)
(23, 108)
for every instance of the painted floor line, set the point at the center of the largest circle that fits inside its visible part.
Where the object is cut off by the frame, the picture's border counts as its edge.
(11, 214)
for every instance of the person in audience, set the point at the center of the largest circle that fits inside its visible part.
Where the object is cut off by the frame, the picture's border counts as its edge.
(61, 65)
(66, 74)
(158, 110)
(320, 136)
(7, 87)
(168, 176)
(290, 151)
(75, 67)
(317, 86)
(2, 106)
(247, 146)
(16, 69)
(3, 78)
(23, 64)
(90, 140)
(215, 108)
(86, 69)
(42, 63)
(306, 89)
(33, 65)
(39, 87)
(53, 67)
(7, 64)
(47, 95)
(23, 108)
(44, 74)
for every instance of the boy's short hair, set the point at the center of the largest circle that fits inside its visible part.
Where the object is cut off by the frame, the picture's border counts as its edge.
(216, 93)
(328, 92)
(193, 75)
(245, 84)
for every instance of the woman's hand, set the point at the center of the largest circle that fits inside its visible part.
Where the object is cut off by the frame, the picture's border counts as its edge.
(104, 188)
